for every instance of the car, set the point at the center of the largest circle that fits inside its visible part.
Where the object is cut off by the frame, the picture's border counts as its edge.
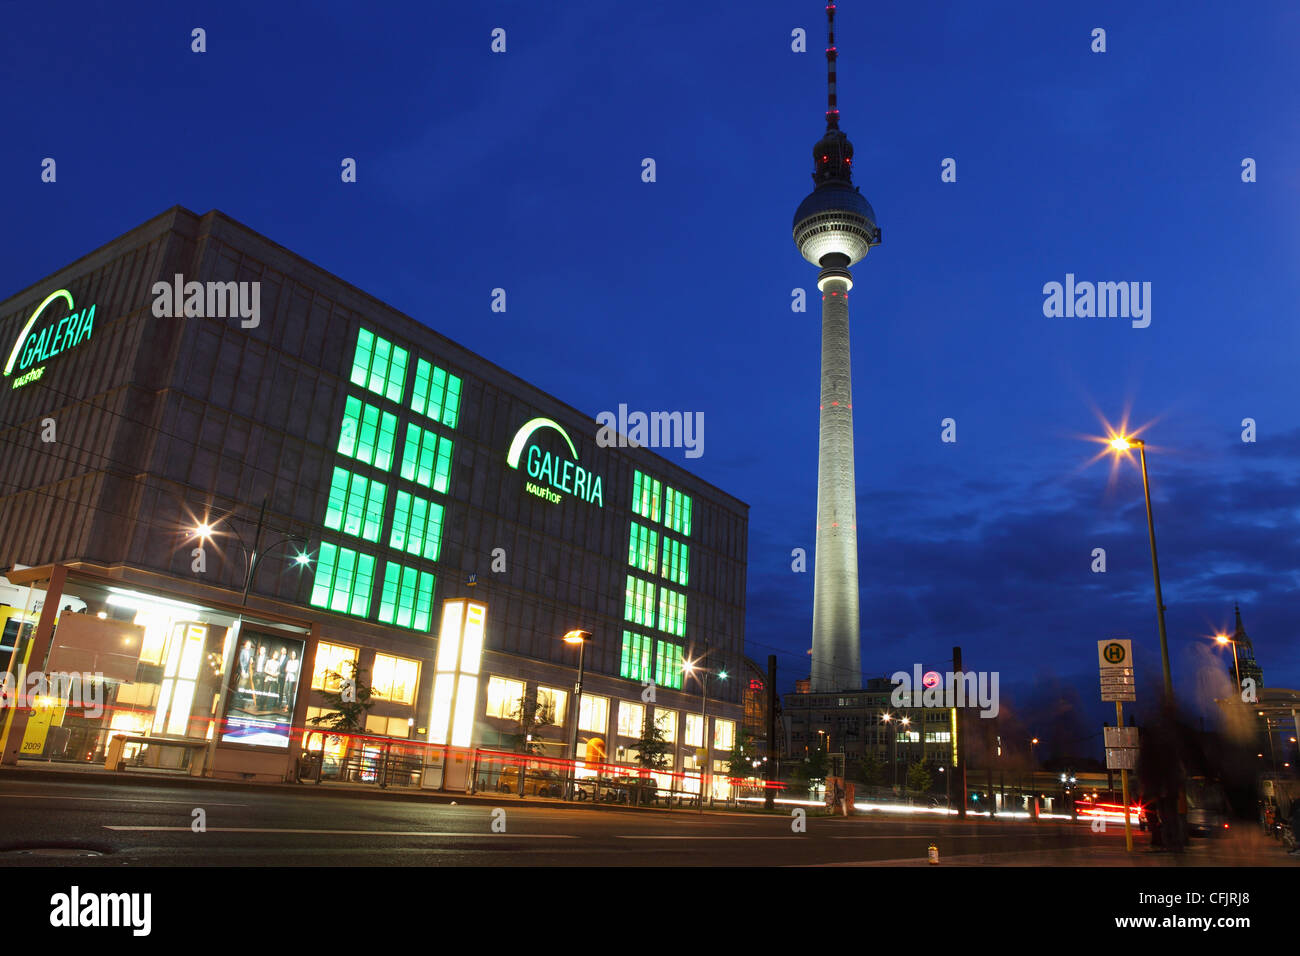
(538, 783)
(1207, 807)
(642, 791)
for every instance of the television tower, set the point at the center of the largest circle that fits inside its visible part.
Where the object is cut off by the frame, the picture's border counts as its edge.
(834, 228)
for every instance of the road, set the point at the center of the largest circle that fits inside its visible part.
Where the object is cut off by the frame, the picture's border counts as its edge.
(95, 824)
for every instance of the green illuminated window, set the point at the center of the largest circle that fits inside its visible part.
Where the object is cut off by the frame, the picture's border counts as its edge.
(640, 605)
(677, 511)
(426, 458)
(367, 434)
(344, 579)
(437, 393)
(635, 663)
(672, 612)
(646, 492)
(675, 560)
(379, 365)
(668, 665)
(407, 597)
(417, 526)
(356, 505)
(642, 545)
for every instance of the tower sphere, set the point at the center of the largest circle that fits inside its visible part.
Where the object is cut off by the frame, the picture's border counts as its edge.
(835, 218)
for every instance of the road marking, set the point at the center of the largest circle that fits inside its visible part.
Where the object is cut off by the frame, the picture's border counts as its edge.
(51, 796)
(922, 836)
(621, 837)
(423, 833)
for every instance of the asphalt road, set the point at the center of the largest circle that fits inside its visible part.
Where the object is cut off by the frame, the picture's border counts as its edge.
(53, 823)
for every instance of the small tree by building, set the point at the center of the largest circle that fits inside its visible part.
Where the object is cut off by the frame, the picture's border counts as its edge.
(530, 715)
(653, 748)
(870, 770)
(347, 700)
(918, 777)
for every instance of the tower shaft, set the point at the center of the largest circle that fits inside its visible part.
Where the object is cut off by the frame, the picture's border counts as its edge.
(836, 653)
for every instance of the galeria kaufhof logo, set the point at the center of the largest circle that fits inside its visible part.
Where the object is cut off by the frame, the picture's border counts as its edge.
(553, 473)
(64, 328)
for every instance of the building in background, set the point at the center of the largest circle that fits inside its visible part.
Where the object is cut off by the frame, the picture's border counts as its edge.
(167, 387)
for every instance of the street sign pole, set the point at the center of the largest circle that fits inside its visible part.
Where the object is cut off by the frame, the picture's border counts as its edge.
(1123, 779)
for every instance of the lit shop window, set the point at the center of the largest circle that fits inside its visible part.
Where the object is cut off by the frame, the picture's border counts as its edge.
(379, 365)
(503, 696)
(437, 393)
(344, 580)
(646, 493)
(635, 663)
(407, 597)
(694, 736)
(666, 720)
(631, 719)
(593, 713)
(356, 505)
(640, 605)
(668, 665)
(676, 558)
(180, 673)
(417, 526)
(642, 544)
(672, 612)
(388, 726)
(426, 458)
(551, 705)
(724, 734)
(331, 659)
(677, 511)
(395, 679)
(367, 434)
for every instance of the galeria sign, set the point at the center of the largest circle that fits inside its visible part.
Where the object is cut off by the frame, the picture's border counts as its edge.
(552, 473)
(64, 329)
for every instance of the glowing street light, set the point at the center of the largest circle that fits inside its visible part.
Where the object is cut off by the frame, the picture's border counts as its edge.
(1236, 669)
(580, 638)
(1122, 445)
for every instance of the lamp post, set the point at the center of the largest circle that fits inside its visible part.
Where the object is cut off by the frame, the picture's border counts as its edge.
(1122, 444)
(1033, 778)
(690, 667)
(251, 559)
(1236, 668)
(579, 638)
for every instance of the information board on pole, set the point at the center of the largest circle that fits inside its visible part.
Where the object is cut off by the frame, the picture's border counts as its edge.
(1115, 663)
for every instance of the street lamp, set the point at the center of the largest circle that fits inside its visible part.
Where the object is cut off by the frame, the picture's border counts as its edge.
(690, 667)
(579, 638)
(204, 532)
(1120, 445)
(1236, 669)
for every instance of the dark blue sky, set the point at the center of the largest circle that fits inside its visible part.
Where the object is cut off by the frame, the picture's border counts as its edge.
(522, 170)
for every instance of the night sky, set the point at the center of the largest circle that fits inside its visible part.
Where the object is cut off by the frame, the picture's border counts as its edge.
(522, 170)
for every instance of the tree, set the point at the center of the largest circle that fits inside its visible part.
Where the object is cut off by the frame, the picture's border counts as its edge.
(653, 748)
(918, 777)
(347, 699)
(530, 715)
(870, 770)
(740, 762)
(814, 766)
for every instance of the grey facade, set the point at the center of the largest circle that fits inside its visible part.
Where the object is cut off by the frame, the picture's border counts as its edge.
(162, 422)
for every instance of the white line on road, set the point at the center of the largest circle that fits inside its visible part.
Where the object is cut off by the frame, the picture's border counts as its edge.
(702, 837)
(423, 833)
(52, 796)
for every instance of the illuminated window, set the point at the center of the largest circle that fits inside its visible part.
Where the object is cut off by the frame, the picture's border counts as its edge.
(437, 393)
(631, 718)
(694, 735)
(417, 526)
(677, 511)
(331, 658)
(407, 597)
(666, 720)
(367, 433)
(426, 458)
(642, 545)
(593, 713)
(552, 704)
(635, 662)
(646, 494)
(676, 557)
(395, 679)
(379, 365)
(388, 726)
(503, 696)
(356, 505)
(724, 734)
(668, 665)
(640, 604)
(938, 737)
(672, 612)
(343, 581)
